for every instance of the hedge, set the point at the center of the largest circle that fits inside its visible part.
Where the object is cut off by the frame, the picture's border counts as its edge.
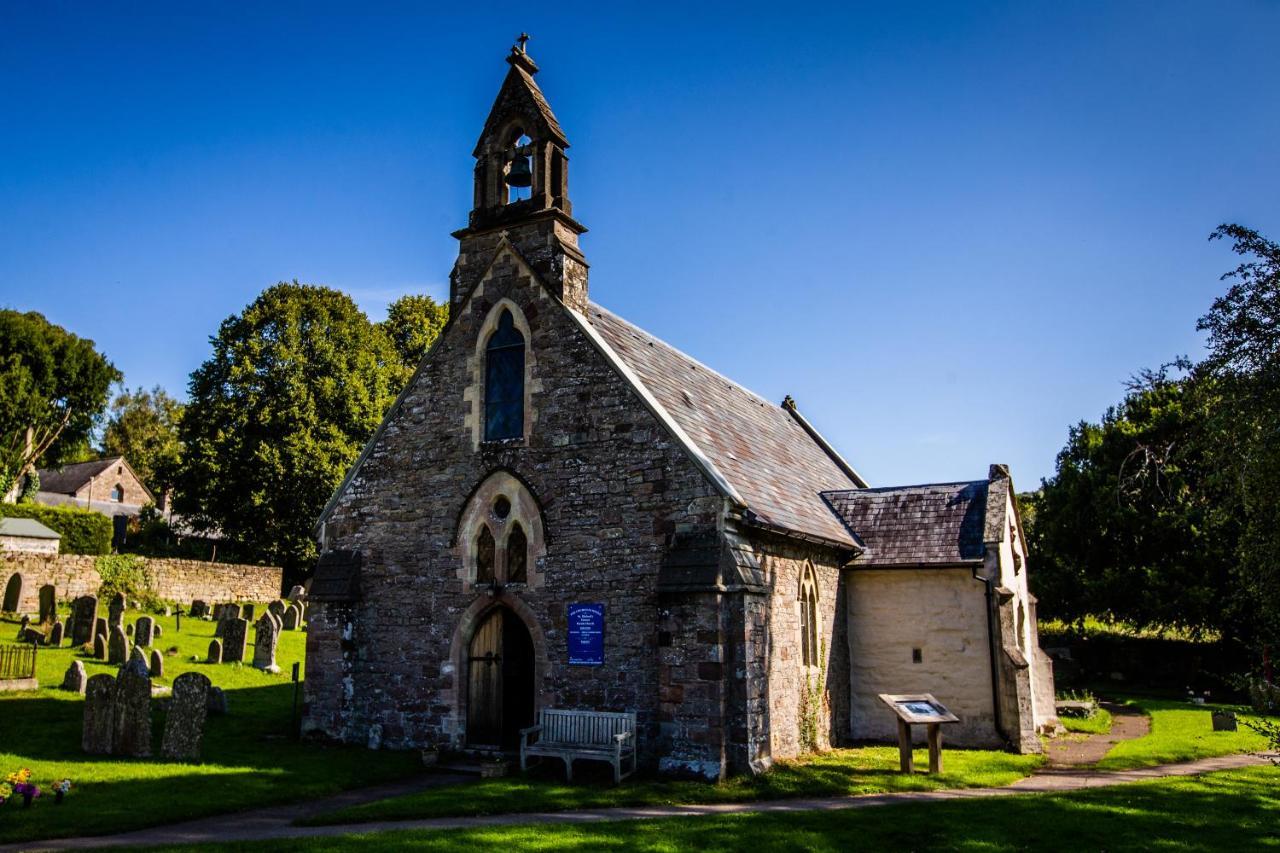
(83, 531)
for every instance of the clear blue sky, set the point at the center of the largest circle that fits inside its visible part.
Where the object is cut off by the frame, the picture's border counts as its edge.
(949, 230)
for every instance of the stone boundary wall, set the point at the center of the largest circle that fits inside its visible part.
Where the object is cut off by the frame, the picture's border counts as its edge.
(182, 581)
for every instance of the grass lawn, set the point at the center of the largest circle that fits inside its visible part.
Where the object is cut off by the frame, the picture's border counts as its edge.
(1180, 731)
(839, 772)
(249, 760)
(1098, 724)
(1235, 810)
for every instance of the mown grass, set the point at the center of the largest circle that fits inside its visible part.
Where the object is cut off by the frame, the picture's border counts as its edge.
(1180, 731)
(1235, 810)
(840, 772)
(1098, 723)
(248, 758)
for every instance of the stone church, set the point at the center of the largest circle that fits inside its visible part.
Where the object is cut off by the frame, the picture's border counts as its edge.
(750, 593)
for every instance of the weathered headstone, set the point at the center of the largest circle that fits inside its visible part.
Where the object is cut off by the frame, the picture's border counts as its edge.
(115, 611)
(265, 638)
(235, 634)
(292, 617)
(246, 612)
(100, 628)
(33, 635)
(143, 630)
(276, 620)
(217, 610)
(99, 647)
(48, 604)
(99, 715)
(128, 630)
(276, 607)
(55, 635)
(157, 664)
(215, 651)
(132, 730)
(75, 678)
(84, 614)
(23, 624)
(138, 661)
(296, 593)
(156, 630)
(198, 609)
(118, 646)
(229, 612)
(217, 702)
(184, 724)
(1224, 721)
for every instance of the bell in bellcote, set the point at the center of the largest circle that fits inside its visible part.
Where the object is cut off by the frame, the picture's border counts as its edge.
(519, 175)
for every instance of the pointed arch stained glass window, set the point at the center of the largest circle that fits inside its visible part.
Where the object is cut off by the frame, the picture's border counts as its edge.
(504, 382)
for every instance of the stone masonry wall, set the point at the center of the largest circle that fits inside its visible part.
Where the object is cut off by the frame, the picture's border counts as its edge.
(612, 488)
(182, 581)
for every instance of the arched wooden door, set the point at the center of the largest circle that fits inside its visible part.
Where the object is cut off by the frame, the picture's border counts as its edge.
(499, 681)
(12, 593)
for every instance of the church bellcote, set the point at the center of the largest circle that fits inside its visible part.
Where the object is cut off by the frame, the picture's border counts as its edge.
(522, 191)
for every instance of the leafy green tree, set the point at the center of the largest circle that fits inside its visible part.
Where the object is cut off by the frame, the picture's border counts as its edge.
(143, 427)
(413, 323)
(296, 384)
(1136, 524)
(1243, 328)
(53, 389)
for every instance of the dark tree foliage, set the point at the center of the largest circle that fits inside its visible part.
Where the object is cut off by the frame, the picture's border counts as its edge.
(296, 384)
(53, 389)
(1135, 525)
(143, 428)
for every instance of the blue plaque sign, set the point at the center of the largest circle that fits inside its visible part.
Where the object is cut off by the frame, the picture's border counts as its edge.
(586, 634)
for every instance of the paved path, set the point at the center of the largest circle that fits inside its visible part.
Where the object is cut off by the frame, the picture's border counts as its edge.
(277, 822)
(1076, 750)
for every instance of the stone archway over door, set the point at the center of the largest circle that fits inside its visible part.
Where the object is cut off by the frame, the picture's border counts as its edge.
(500, 681)
(13, 594)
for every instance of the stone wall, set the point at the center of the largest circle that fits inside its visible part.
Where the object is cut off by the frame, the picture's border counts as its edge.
(943, 614)
(182, 581)
(28, 545)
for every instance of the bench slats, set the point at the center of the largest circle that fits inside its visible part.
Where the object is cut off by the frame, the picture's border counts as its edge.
(569, 734)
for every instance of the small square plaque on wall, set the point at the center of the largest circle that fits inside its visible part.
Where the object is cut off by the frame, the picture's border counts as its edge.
(586, 634)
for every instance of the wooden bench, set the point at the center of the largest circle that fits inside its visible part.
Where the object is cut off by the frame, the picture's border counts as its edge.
(596, 735)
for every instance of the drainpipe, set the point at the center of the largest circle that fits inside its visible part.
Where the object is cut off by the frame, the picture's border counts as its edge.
(989, 592)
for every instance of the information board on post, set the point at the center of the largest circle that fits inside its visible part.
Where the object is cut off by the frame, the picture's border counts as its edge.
(586, 634)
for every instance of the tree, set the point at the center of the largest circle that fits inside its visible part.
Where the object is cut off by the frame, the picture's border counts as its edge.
(413, 323)
(53, 389)
(296, 384)
(1137, 524)
(143, 427)
(1243, 329)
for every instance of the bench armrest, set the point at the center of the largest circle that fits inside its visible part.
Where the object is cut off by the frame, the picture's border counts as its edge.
(530, 730)
(622, 737)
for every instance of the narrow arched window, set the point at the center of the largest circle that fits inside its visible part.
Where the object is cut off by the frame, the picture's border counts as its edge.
(504, 382)
(809, 651)
(517, 555)
(117, 494)
(485, 552)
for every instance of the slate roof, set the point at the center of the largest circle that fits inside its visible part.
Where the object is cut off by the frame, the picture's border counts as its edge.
(27, 528)
(71, 477)
(931, 525)
(778, 469)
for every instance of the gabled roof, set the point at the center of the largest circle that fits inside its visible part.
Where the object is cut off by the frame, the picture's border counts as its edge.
(942, 524)
(766, 456)
(27, 528)
(70, 478)
(519, 94)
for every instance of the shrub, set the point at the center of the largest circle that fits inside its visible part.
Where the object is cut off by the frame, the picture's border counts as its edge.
(83, 531)
(122, 573)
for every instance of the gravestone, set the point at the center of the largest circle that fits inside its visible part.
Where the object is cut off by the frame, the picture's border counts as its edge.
(215, 651)
(292, 617)
(229, 612)
(157, 664)
(84, 615)
(55, 635)
(33, 635)
(75, 678)
(184, 724)
(99, 647)
(48, 604)
(22, 626)
(1224, 721)
(198, 609)
(132, 699)
(138, 661)
(143, 630)
(100, 628)
(276, 608)
(217, 702)
(115, 611)
(246, 612)
(217, 610)
(128, 629)
(264, 644)
(156, 630)
(118, 646)
(99, 715)
(275, 620)
(234, 636)
(296, 593)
